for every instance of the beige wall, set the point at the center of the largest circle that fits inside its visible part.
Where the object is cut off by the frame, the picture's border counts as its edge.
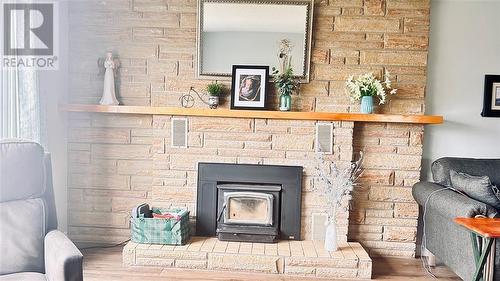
(464, 46)
(119, 161)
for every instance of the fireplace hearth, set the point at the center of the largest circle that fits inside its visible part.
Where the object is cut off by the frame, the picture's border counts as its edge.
(249, 203)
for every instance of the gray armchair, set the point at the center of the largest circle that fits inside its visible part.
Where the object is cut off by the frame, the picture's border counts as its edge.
(30, 246)
(449, 242)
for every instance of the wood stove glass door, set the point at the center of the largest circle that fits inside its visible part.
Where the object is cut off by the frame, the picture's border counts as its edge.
(252, 208)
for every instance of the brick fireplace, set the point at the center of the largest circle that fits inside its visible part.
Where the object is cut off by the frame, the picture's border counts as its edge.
(118, 161)
(172, 172)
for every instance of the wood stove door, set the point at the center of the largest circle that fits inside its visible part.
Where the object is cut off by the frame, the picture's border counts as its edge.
(248, 214)
(252, 208)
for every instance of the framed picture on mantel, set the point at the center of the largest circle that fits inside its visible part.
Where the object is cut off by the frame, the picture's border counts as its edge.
(491, 102)
(249, 87)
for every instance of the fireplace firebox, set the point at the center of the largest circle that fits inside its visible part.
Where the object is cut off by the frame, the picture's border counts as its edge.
(249, 203)
(248, 213)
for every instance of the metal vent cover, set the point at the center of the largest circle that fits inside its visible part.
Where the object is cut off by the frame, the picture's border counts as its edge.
(324, 138)
(179, 132)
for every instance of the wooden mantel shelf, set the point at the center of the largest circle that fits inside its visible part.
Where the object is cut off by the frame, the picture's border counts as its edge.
(260, 114)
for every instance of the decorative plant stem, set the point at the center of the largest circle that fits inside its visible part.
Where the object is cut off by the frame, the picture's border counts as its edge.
(336, 184)
(283, 79)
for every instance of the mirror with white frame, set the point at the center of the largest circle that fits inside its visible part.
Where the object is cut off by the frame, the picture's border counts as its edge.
(247, 32)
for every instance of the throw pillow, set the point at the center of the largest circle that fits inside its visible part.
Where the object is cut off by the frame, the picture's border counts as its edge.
(476, 187)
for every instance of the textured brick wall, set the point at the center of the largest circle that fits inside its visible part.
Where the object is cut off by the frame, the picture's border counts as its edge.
(117, 161)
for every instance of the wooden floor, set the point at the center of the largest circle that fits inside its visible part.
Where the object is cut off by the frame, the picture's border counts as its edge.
(106, 264)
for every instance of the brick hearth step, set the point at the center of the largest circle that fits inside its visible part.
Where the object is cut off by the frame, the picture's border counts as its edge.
(305, 258)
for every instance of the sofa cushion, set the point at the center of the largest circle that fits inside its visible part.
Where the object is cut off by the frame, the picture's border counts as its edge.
(476, 187)
(22, 234)
(25, 276)
(484, 167)
(21, 170)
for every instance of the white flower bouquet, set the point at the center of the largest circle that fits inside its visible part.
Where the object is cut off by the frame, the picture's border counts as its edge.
(369, 85)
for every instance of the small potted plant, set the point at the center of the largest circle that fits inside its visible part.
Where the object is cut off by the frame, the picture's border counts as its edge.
(214, 91)
(286, 85)
(367, 86)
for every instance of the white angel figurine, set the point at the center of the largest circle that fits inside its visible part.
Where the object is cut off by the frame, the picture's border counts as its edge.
(109, 93)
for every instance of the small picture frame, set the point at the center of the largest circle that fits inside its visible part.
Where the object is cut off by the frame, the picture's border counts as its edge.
(491, 102)
(249, 87)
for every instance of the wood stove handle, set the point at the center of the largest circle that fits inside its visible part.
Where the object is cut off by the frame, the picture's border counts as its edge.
(221, 212)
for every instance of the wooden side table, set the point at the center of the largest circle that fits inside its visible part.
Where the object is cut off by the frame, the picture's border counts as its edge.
(483, 232)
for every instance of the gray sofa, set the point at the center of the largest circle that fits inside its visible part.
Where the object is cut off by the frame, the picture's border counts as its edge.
(30, 246)
(449, 242)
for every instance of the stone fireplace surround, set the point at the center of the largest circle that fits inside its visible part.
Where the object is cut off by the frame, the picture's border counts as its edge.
(116, 161)
(304, 257)
(174, 169)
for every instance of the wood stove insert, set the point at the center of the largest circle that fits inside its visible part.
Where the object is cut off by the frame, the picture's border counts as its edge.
(249, 203)
(248, 213)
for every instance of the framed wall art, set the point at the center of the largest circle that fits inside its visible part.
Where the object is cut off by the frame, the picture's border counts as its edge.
(249, 87)
(491, 101)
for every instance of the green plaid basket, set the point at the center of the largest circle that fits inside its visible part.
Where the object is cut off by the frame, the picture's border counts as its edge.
(169, 231)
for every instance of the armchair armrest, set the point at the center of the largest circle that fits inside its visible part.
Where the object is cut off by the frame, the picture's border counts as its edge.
(63, 260)
(448, 203)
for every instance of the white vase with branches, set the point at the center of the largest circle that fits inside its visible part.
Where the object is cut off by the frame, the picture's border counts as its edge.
(336, 185)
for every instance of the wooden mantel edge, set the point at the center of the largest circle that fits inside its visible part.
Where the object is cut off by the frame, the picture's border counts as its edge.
(259, 114)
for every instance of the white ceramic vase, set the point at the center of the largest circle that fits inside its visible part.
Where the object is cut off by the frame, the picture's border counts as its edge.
(213, 102)
(331, 237)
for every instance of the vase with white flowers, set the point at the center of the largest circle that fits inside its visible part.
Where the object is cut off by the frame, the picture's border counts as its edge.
(366, 87)
(336, 185)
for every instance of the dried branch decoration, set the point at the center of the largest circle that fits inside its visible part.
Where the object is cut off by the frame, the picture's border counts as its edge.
(337, 184)
(284, 54)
